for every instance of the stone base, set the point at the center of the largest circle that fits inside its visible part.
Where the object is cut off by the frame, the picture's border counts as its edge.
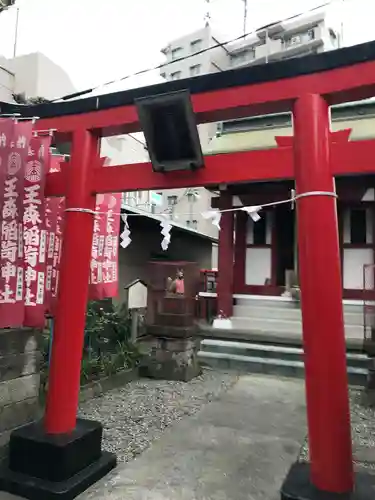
(175, 332)
(297, 486)
(42, 466)
(171, 359)
(19, 381)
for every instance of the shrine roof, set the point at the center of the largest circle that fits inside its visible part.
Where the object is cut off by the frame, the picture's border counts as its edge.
(250, 75)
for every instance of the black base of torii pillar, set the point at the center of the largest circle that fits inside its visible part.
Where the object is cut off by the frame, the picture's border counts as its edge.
(298, 486)
(42, 466)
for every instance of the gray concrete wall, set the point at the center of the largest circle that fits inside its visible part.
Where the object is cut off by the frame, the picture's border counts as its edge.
(145, 245)
(6, 81)
(19, 380)
(37, 75)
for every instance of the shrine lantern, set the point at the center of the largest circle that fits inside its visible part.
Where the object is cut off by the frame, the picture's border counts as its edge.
(170, 130)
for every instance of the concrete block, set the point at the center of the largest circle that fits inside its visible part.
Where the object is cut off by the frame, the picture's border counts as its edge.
(19, 389)
(172, 359)
(18, 414)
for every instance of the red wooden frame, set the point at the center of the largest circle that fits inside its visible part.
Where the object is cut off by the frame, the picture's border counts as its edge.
(313, 157)
(337, 86)
(348, 158)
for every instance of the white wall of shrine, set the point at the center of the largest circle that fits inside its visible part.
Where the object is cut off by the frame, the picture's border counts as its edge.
(258, 258)
(354, 259)
(356, 253)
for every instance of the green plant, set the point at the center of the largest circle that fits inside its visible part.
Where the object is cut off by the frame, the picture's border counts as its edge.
(21, 98)
(108, 364)
(106, 350)
(105, 326)
(90, 369)
(128, 355)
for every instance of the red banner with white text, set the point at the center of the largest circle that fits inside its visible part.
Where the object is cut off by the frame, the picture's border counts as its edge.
(32, 228)
(104, 256)
(14, 139)
(55, 226)
(35, 231)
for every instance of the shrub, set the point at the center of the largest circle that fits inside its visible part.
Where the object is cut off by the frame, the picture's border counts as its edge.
(107, 349)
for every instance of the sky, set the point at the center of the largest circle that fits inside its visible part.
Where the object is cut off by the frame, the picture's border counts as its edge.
(100, 40)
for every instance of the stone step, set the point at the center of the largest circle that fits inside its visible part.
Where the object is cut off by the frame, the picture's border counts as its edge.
(270, 351)
(287, 303)
(254, 359)
(294, 314)
(268, 338)
(285, 326)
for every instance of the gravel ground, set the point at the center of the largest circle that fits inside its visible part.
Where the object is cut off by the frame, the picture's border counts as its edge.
(363, 432)
(137, 414)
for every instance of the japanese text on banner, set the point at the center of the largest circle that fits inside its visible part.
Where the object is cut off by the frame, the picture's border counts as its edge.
(35, 231)
(104, 258)
(15, 139)
(54, 225)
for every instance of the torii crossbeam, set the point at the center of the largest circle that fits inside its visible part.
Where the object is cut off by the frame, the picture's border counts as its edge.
(306, 87)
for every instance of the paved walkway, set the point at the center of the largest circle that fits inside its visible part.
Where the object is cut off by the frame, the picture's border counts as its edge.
(238, 447)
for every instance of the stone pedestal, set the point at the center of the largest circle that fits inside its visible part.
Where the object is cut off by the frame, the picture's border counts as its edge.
(19, 380)
(171, 358)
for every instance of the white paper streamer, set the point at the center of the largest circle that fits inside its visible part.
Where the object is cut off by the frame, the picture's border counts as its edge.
(214, 215)
(166, 229)
(125, 239)
(253, 212)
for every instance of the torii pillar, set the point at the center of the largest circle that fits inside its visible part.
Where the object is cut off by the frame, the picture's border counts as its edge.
(225, 258)
(331, 469)
(62, 456)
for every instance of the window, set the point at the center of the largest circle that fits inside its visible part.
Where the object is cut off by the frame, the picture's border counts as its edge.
(260, 232)
(193, 224)
(176, 75)
(176, 53)
(293, 40)
(172, 200)
(243, 57)
(358, 226)
(196, 46)
(311, 34)
(195, 70)
(299, 38)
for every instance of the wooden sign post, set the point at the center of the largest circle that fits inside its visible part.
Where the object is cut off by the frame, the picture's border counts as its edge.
(136, 300)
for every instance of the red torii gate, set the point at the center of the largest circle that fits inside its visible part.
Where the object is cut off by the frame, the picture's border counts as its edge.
(347, 158)
(313, 161)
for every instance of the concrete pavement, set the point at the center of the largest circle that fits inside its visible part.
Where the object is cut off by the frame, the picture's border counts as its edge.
(239, 447)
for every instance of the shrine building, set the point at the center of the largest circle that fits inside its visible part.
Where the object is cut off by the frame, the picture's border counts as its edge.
(264, 253)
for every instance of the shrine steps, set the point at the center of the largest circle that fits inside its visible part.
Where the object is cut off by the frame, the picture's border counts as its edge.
(352, 316)
(286, 326)
(266, 337)
(278, 360)
(281, 315)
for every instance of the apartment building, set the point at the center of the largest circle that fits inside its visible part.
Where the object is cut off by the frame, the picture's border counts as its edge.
(296, 37)
(201, 52)
(35, 75)
(192, 55)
